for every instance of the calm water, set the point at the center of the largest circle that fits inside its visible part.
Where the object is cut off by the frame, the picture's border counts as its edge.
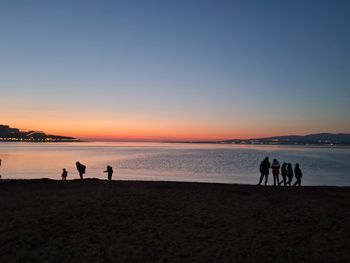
(171, 162)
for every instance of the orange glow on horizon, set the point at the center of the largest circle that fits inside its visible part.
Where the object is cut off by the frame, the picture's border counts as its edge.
(148, 133)
(93, 125)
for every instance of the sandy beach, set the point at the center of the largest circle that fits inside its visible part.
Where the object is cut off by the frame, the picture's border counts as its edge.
(128, 221)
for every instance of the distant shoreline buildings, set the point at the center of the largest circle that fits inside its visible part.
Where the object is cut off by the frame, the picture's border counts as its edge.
(9, 134)
(325, 139)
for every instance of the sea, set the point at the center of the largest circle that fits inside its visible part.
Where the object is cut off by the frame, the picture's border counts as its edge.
(191, 162)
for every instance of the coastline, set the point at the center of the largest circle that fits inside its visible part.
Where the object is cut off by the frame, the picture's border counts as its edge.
(141, 221)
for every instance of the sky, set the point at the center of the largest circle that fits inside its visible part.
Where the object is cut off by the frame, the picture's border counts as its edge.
(175, 70)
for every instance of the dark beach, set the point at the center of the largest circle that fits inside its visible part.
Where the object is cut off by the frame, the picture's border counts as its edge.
(127, 221)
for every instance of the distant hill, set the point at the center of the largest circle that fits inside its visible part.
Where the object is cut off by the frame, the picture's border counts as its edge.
(313, 139)
(13, 134)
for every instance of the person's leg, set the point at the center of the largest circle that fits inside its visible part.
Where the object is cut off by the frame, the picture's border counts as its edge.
(274, 180)
(261, 178)
(81, 175)
(266, 177)
(297, 182)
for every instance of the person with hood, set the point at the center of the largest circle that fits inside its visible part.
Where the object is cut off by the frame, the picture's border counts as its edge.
(109, 172)
(298, 175)
(264, 170)
(81, 169)
(283, 174)
(289, 174)
(275, 171)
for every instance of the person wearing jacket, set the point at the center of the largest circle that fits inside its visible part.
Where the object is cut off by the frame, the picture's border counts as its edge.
(298, 175)
(109, 172)
(283, 174)
(275, 171)
(289, 174)
(81, 169)
(64, 174)
(264, 170)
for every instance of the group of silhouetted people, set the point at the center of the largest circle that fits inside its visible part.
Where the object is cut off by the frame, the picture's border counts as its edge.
(82, 170)
(286, 172)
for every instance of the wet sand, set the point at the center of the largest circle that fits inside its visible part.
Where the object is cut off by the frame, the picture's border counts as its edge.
(120, 221)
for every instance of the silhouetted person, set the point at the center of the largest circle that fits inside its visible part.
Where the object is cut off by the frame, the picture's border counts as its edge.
(64, 174)
(284, 174)
(289, 174)
(81, 169)
(275, 171)
(264, 170)
(298, 175)
(109, 171)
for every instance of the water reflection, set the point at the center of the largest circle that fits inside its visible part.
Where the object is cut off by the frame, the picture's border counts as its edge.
(179, 162)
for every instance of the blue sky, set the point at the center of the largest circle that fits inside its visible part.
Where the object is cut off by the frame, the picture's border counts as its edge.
(175, 69)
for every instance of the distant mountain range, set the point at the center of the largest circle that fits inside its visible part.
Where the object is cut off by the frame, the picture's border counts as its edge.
(13, 134)
(312, 139)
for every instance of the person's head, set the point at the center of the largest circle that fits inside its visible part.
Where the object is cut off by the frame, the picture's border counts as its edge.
(289, 165)
(77, 163)
(297, 165)
(266, 158)
(64, 169)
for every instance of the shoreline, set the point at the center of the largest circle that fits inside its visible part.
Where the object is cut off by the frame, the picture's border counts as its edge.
(306, 145)
(101, 180)
(95, 179)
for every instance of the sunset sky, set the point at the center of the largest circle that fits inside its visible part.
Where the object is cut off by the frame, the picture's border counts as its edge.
(175, 69)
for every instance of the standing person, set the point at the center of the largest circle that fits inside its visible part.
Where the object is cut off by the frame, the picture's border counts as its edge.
(64, 174)
(289, 174)
(264, 170)
(109, 171)
(81, 169)
(283, 174)
(298, 175)
(275, 171)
